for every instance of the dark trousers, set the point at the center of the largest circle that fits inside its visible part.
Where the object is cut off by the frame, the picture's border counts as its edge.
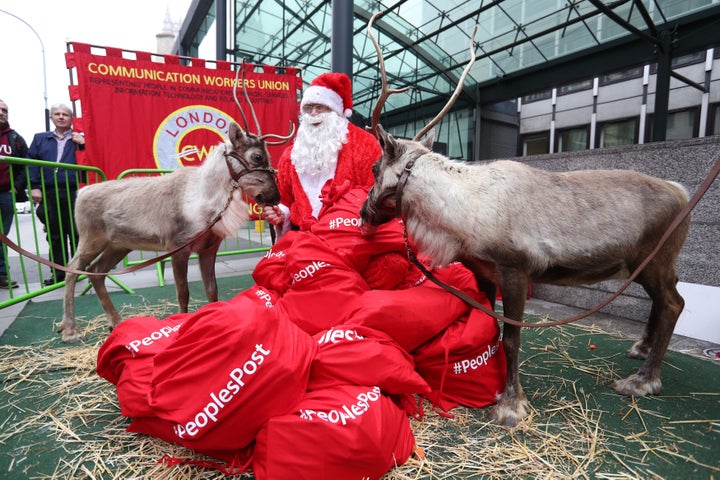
(62, 233)
(7, 212)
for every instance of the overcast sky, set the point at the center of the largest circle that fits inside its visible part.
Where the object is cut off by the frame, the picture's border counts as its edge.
(130, 24)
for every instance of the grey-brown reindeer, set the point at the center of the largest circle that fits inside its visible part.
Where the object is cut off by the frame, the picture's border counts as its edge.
(201, 205)
(513, 224)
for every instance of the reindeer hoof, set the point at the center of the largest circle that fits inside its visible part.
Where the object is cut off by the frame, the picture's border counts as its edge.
(71, 336)
(509, 411)
(637, 386)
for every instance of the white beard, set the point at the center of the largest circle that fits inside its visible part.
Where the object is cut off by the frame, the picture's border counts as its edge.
(315, 152)
(318, 142)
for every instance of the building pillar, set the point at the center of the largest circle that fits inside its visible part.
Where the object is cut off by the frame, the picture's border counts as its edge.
(662, 88)
(221, 30)
(341, 38)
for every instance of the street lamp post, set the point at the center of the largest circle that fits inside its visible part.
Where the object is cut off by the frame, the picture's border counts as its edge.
(42, 47)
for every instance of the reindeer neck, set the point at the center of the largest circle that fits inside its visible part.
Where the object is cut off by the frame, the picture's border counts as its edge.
(435, 202)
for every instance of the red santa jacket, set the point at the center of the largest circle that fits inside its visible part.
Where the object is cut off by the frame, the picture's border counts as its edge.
(354, 165)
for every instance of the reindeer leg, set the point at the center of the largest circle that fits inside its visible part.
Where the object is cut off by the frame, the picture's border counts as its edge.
(207, 270)
(107, 260)
(667, 304)
(512, 405)
(67, 328)
(180, 272)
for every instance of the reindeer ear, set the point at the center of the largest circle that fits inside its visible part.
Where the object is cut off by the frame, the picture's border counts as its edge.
(387, 143)
(429, 139)
(235, 133)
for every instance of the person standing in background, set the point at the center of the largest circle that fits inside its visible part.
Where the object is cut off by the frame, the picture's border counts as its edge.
(58, 185)
(11, 176)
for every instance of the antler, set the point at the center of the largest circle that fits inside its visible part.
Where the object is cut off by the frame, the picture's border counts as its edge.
(385, 92)
(280, 138)
(237, 102)
(455, 94)
(247, 99)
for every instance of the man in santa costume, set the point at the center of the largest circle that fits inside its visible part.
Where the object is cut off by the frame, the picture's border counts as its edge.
(327, 148)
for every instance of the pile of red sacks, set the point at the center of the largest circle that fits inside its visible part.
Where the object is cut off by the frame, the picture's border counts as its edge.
(313, 371)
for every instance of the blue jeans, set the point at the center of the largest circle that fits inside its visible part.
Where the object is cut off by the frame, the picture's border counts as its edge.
(7, 212)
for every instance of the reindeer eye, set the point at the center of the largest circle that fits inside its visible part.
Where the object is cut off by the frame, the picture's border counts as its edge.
(258, 158)
(375, 169)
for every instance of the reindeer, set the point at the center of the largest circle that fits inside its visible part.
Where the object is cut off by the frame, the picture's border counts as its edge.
(193, 206)
(512, 224)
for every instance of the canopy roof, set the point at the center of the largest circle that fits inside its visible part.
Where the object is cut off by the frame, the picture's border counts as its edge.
(521, 45)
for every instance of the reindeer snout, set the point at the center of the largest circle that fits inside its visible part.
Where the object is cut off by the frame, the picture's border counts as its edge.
(268, 199)
(366, 227)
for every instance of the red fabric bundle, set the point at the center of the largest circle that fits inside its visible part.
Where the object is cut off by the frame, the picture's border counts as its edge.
(345, 432)
(465, 365)
(339, 225)
(237, 459)
(356, 355)
(322, 284)
(264, 296)
(414, 315)
(231, 368)
(125, 359)
(269, 271)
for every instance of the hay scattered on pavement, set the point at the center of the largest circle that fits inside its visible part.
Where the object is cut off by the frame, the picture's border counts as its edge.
(566, 438)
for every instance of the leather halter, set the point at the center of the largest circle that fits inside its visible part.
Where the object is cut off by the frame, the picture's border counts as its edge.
(402, 181)
(235, 176)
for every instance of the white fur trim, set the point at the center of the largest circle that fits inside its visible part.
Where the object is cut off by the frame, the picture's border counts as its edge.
(323, 96)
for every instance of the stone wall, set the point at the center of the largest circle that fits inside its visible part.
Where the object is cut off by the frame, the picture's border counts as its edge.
(684, 161)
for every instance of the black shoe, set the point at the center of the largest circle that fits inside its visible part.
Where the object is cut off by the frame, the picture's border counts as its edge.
(48, 282)
(7, 285)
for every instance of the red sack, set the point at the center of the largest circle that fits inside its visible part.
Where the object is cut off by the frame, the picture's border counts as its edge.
(264, 296)
(269, 271)
(356, 355)
(231, 368)
(339, 225)
(322, 284)
(347, 432)
(414, 315)
(465, 365)
(125, 359)
(237, 460)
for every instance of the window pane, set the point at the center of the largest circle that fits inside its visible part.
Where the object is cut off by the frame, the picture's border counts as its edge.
(680, 125)
(619, 133)
(536, 145)
(573, 140)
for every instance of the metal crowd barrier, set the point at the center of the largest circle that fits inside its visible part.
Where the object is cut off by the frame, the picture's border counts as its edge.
(28, 232)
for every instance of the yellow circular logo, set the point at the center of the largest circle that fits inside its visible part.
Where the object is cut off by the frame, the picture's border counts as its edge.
(186, 136)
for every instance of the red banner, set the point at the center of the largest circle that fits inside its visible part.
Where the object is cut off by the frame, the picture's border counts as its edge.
(151, 111)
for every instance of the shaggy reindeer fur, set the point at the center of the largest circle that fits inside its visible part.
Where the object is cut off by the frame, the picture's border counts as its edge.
(164, 212)
(515, 224)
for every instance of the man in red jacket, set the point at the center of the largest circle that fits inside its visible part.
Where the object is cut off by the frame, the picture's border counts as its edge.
(327, 148)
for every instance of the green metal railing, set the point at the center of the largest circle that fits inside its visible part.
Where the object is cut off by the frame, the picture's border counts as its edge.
(30, 277)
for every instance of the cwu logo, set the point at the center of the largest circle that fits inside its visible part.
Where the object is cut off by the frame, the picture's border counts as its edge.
(186, 136)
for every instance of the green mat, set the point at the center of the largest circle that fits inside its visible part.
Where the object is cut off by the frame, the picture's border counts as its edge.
(60, 420)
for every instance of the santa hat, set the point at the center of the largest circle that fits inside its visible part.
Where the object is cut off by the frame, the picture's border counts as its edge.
(333, 90)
